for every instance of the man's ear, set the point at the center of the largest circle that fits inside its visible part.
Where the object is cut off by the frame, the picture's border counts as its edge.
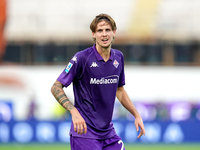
(114, 32)
(93, 35)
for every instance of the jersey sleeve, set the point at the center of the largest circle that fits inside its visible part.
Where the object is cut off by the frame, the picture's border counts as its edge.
(71, 71)
(122, 74)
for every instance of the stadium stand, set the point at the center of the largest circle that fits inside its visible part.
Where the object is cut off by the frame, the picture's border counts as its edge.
(166, 31)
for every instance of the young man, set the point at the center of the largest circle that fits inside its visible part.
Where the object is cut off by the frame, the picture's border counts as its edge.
(98, 77)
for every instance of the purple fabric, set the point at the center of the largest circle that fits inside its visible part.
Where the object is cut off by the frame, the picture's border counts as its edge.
(114, 143)
(95, 83)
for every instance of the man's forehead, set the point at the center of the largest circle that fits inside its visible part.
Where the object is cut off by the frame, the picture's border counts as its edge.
(103, 23)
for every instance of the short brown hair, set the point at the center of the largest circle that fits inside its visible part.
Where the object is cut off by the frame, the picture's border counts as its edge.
(102, 17)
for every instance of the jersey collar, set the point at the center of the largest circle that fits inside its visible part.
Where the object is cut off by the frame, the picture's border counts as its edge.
(98, 56)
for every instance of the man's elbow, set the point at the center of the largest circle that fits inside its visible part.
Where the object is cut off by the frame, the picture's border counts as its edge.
(53, 89)
(56, 86)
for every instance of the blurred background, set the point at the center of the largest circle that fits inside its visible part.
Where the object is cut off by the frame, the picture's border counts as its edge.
(160, 40)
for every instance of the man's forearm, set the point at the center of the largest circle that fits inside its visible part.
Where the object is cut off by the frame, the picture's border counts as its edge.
(60, 96)
(126, 102)
(130, 107)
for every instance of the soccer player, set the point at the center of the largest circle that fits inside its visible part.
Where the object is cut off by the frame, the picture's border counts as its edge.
(98, 77)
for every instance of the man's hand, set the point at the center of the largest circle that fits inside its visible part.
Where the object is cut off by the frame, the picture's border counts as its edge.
(78, 121)
(139, 123)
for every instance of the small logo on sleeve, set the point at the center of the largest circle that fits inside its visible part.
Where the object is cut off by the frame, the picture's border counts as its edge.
(69, 66)
(74, 59)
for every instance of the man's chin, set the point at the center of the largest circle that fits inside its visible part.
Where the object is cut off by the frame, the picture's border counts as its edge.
(105, 45)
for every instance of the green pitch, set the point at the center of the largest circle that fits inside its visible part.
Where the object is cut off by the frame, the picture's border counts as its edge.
(128, 146)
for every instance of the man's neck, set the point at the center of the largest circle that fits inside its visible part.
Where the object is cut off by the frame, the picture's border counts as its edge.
(104, 52)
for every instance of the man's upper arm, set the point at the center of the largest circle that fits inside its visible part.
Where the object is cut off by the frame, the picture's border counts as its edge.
(119, 93)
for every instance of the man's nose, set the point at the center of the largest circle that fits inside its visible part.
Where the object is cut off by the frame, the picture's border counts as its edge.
(104, 33)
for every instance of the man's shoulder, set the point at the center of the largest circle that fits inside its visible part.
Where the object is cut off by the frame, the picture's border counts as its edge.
(82, 56)
(117, 52)
(85, 53)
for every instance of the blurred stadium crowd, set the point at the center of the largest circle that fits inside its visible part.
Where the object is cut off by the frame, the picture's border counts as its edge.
(156, 32)
(161, 111)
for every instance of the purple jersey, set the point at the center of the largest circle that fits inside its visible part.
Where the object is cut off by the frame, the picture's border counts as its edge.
(95, 83)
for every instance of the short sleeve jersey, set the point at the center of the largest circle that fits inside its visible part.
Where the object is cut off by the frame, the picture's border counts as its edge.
(95, 83)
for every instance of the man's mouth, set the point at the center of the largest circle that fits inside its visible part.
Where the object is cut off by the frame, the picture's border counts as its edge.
(104, 40)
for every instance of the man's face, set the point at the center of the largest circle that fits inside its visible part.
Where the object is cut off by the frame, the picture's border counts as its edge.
(104, 34)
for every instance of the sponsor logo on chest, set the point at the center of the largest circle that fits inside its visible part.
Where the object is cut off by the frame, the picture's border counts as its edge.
(105, 80)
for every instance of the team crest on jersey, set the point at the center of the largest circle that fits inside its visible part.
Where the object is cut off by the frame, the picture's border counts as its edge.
(116, 64)
(69, 66)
